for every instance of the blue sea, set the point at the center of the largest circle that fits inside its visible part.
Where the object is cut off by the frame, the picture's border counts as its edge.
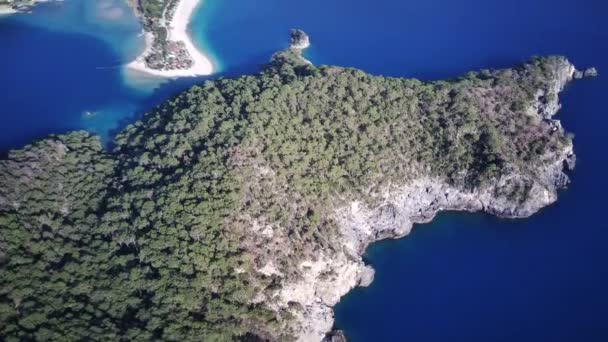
(463, 277)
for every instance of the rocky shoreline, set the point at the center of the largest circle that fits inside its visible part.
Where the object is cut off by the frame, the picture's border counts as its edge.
(299, 40)
(333, 274)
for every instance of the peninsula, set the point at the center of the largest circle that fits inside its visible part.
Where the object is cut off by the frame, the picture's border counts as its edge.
(240, 209)
(169, 51)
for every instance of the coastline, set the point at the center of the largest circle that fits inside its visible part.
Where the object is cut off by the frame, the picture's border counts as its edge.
(177, 31)
(7, 10)
(325, 279)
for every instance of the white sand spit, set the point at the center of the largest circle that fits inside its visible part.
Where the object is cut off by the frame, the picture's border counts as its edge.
(178, 31)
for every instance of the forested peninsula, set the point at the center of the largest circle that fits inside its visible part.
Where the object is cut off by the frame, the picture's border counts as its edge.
(239, 209)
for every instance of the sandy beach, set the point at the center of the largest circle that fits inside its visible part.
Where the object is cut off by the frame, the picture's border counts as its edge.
(178, 31)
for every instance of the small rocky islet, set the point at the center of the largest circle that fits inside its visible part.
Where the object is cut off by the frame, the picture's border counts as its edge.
(240, 209)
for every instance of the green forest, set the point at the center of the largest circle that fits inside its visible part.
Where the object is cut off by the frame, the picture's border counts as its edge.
(148, 241)
(153, 8)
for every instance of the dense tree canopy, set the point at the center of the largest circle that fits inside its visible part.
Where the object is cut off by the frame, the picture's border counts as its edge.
(153, 8)
(154, 239)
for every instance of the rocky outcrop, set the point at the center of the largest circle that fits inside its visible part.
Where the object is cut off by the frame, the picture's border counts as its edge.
(299, 40)
(335, 336)
(587, 73)
(547, 101)
(399, 206)
(590, 72)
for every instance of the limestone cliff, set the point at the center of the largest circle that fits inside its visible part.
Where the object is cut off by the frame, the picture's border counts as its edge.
(324, 279)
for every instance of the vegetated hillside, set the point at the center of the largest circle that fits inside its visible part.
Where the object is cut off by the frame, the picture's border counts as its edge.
(208, 206)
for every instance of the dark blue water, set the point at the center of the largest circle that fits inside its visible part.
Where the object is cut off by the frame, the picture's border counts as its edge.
(461, 278)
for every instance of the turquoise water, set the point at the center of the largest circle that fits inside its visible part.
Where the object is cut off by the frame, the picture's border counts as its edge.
(62, 70)
(462, 277)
